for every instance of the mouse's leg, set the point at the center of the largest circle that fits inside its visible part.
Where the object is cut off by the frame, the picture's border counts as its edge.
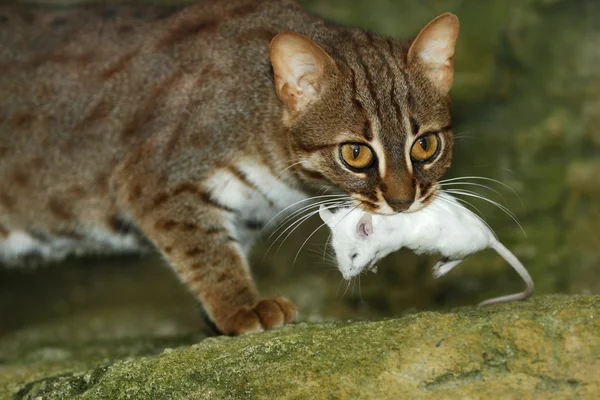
(444, 266)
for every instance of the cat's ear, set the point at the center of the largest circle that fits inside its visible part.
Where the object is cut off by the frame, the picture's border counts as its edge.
(326, 215)
(364, 228)
(433, 50)
(299, 65)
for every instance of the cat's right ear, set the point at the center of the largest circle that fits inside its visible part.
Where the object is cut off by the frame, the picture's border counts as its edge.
(326, 215)
(365, 225)
(299, 65)
(433, 50)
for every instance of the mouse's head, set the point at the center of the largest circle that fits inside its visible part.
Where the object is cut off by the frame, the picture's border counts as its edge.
(353, 239)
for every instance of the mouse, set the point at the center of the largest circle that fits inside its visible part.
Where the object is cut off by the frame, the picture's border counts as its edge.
(445, 227)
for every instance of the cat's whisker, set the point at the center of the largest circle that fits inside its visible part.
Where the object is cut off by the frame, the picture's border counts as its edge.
(484, 178)
(500, 206)
(285, 169)
(300, 221)
(480, 216)
(291, 228)
(464, 135)
(345, 215)
(316, 199)
(477, 195)
(296, 203)
(308, 238)
(475, 184)
(300, 211)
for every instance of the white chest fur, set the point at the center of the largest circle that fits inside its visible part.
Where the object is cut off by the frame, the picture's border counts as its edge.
(252, 190)
(21, 248)
(256, 195)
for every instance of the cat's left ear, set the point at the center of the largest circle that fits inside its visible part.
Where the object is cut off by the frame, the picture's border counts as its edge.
(365, 225)
(299, 65)
(433, 50)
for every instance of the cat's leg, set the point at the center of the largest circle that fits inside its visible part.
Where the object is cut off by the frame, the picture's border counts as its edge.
(444, 266)
(197, 236)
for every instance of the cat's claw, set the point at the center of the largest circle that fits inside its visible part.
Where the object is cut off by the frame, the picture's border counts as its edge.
(266, 314)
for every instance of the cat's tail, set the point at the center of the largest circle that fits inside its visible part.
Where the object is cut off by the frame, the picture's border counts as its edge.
(517, 266)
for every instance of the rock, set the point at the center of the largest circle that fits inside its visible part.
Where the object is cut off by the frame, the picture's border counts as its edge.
(548, 347)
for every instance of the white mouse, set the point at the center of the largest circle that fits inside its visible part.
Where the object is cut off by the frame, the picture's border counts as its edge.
(444, 227)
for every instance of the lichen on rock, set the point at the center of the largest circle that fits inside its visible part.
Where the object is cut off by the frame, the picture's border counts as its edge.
(546, 347)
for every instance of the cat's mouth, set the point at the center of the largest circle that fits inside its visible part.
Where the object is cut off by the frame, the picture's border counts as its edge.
(381, 207)
(423, 201)
(374, 208)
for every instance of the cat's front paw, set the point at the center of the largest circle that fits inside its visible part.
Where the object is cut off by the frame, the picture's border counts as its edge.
(266, 314)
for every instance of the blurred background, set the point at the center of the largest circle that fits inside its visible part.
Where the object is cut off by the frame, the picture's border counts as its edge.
(526, 106)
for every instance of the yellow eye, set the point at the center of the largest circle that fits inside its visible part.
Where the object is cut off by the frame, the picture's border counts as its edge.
(425, 147)
(356, 155)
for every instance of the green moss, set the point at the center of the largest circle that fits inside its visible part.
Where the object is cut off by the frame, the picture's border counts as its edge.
(547, 346)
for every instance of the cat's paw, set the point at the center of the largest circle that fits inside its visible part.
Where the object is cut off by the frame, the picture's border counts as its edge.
(266, 314)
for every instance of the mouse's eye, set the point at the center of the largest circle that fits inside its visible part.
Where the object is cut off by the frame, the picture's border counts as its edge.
(356, 155)
(425, 148)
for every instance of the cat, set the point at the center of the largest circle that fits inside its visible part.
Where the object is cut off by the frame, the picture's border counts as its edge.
(444, 227)
(187, 129)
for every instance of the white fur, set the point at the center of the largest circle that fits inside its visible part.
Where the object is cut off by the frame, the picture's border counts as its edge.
(250, 204)
(261, 205)
(20, 248)
(444, 227)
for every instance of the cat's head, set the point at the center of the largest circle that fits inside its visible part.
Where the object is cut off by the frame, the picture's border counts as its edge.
(368, 114)
(356, 244)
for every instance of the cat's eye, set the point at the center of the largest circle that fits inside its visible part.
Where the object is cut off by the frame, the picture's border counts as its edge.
(357, 156)
(425, 148)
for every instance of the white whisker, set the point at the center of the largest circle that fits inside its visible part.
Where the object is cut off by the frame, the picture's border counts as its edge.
(300, 211)
(500, 206)
(485, 179)
(480, 217)
(298, 202)
(297, 224)
(291, 166)
(474, 184)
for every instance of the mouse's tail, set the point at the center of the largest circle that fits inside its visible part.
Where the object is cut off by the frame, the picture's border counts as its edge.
(517, 266)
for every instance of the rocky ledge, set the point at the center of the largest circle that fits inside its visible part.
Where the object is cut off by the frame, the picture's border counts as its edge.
(548, 347)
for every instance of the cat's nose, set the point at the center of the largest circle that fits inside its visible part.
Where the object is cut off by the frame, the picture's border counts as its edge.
(399, 205)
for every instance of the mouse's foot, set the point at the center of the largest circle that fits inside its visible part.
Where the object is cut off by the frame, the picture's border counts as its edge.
(444, 266)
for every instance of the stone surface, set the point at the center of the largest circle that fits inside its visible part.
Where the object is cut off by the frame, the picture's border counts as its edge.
(546, 348)
(526, 112)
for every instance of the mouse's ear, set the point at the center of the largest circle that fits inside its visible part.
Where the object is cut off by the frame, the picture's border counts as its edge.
(326, 215)
(365, 225)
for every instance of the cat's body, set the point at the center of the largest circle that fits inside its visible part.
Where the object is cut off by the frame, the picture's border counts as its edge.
(444, 227)
(87, 86)
(189, 129)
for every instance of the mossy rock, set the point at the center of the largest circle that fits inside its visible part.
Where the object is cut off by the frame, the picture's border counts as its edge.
(548, 347)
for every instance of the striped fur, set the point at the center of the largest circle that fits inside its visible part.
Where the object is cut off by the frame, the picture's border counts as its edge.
(123, 126)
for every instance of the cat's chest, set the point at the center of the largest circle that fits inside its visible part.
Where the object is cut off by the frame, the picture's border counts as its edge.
(255, 194)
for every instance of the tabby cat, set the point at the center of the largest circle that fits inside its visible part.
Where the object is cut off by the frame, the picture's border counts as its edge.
(188, 129)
